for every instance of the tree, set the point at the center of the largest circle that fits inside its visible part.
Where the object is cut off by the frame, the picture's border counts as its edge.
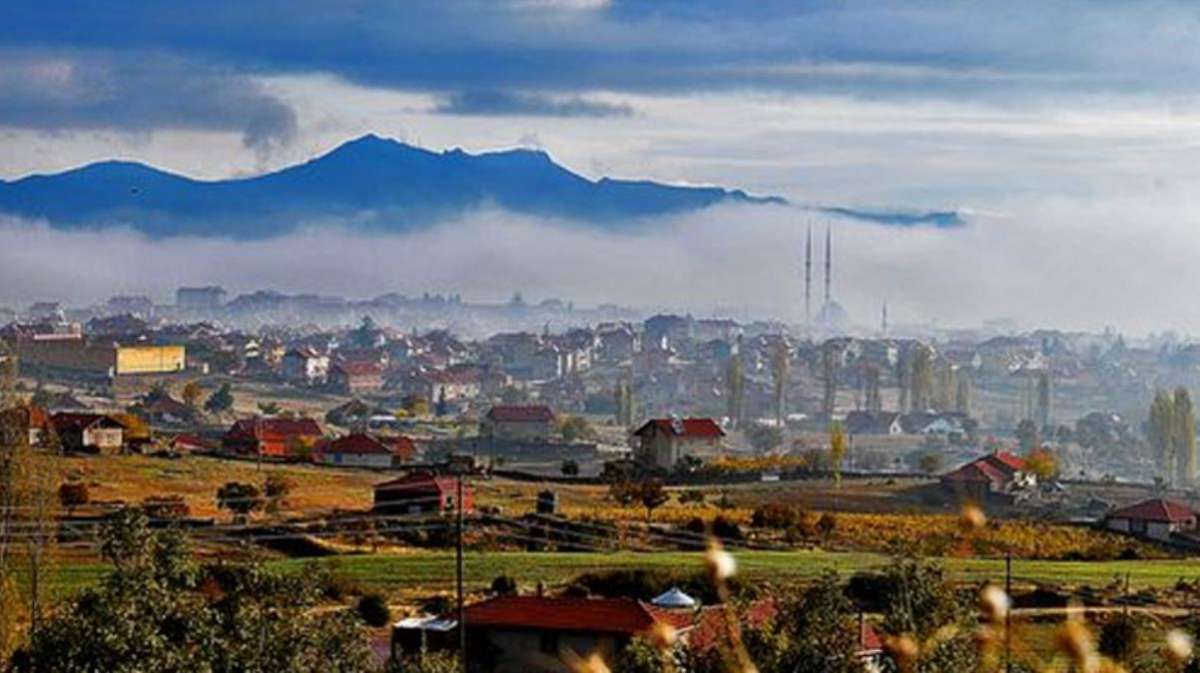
(1041, 463)
(374, 610)
(652, 495)
(1028, 436)
(220, 401)
(830, 363)
(28, 498)
(735, 389)
(1162, 430)
(874, 400)
(430, 662)
(73, 494)
(240, 499)
(276, 488)
(837, 450)
(157, 611)
(921, 396)
(269, 408)
(763, 437)
(780, 371)
(192, 393)
(815, 631)
(623, 398)
(930, 462)
(575, 428)
(570, 468)
(919, 601)
(962, 395)
(1184, 414)
(1043, 399)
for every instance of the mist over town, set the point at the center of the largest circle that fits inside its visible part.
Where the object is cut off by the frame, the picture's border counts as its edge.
(599, 336)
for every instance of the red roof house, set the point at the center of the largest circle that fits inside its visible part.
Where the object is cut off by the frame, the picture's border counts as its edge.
(362, 450)
(517, 634)
(272, 436)
(1156, 518)
(988, 477)
(663, 441)
(421, 492)
(516, 422)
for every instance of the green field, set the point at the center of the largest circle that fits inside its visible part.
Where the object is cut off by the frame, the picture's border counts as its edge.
(434, 570)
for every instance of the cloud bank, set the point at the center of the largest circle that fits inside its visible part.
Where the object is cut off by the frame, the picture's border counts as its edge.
(1058, 263)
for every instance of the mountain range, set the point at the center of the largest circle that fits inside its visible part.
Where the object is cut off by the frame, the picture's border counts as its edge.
(371, 183)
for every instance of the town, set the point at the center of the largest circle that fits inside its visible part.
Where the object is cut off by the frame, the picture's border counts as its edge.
(607, 451)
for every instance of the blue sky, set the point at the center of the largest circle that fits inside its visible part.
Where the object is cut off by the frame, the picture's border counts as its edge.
(1058, 124)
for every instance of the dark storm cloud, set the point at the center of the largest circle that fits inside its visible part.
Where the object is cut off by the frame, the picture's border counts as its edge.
(499, 103)
(74, 89)
(1003, 50)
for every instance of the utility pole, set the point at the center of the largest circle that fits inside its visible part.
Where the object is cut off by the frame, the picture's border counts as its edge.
(1008, 612)
(462, 610)
(460, 465)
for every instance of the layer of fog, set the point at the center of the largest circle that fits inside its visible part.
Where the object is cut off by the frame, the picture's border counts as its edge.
(1060, 263)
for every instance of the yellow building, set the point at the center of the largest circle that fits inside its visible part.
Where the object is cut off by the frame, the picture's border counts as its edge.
(150, 359)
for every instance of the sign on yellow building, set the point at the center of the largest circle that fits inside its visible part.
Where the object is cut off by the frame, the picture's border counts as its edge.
(150, 359)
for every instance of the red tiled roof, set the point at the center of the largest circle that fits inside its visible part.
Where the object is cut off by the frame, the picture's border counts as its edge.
(997, 467)
(1155, 509)
(361, 443)
(602, 615)
(420, 482)
(531, 413)
(275, 428)
(686, 427)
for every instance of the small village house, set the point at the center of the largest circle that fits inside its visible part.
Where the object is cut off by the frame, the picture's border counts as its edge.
(1156, 518)
(88, 432)
(518, 423)
(305, 366)
(662, 442)
(33, 421)
(353, 378)
(518, 634)
(421, 493)
(276, 437)
(363, 450)
(993, 477)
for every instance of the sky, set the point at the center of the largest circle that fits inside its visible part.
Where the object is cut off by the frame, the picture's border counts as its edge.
(1068, 132)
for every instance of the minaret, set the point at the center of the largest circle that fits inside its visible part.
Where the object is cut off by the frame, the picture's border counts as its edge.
(883, 325)
(808, 279)
(828, 261)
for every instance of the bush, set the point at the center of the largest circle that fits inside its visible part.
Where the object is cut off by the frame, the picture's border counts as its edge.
(73, 494)
(504, 585)
(373, 609)
(166, 507)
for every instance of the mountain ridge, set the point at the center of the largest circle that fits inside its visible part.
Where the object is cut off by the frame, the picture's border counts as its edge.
(383, 184)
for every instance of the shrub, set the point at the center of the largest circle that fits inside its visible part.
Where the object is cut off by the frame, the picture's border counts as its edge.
(73, 494)
(166, 507)
(504, 585)
(373, 609)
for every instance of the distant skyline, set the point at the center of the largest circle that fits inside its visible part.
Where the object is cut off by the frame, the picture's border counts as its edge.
(1068, 134)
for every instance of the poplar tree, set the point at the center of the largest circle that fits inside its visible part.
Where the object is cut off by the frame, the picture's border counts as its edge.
(780, 371)
(1184, 415)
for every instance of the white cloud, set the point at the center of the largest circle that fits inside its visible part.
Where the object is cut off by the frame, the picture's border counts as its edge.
(1053, 262)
